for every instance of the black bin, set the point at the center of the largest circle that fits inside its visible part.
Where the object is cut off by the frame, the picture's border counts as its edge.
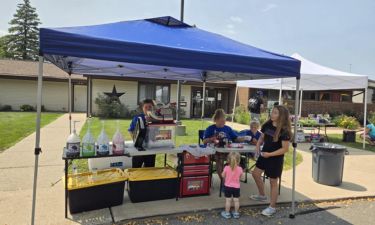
(328, 163)
(348, 136)
(150, 184)
(88, 191)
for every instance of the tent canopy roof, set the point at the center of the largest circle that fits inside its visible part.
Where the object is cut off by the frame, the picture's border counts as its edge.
(314, 77)
(161, 47)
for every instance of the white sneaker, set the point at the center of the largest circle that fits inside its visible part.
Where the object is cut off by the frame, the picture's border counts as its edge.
(269, 211)
(260, 198)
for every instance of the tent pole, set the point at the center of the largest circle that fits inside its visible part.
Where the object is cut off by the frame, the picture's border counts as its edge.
(203, 101)
(300, 103)
(70, 103)
(292, 215)
(281, 92)
(87, 96)
(90, 98)
(234, 103)
(364, 117)
(37, 150)
(178, 102)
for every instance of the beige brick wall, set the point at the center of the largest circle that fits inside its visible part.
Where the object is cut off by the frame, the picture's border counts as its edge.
(19, 92)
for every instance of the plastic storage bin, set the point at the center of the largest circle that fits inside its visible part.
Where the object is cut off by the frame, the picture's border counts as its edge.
(160, 135)
(88, 191)
(149, 184)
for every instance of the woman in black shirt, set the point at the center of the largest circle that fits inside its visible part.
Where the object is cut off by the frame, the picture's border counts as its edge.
(276, 135)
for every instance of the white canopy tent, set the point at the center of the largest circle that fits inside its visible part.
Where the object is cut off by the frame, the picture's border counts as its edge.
(314, 77)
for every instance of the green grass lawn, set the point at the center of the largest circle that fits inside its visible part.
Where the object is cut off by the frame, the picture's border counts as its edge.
(14, 126)
(337, 138)
(192, 127)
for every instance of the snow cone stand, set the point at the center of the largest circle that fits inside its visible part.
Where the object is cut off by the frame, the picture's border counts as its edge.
(157, 48)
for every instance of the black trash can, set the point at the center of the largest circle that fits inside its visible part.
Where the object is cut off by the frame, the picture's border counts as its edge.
(328, 163)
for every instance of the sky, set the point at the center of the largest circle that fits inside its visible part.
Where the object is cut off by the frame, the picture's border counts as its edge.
(334, 33)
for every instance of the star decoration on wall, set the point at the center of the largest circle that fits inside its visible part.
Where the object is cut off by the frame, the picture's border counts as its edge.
(114, 95)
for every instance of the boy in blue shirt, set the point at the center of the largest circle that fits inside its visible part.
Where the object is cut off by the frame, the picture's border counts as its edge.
(370, 133)
(254, 132)
(147, 160)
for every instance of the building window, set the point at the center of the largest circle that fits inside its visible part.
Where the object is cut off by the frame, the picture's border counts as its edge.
(309, 95)
(346, 98)
(325, 96)
(157, 92)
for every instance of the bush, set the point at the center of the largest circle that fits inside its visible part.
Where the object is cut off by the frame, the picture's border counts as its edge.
(307, 122)
(110, 108)
(27, 108)
(371, 117)
(346, 122)
(6, 108)
(241, 115)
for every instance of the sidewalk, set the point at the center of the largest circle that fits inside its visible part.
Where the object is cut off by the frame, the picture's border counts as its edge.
(16, 177)
(16, 172)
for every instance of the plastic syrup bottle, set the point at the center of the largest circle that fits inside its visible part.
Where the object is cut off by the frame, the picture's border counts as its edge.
(103, 143)
(118, 142)
(88, 142)
(73, 143)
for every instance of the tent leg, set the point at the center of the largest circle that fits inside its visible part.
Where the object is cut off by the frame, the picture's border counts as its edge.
(90, 98)
(87, 96)
(234, 103)
(292, 215)
(37, 150)
(178, 102)
(203, 101)
(281, 92)
(300, 104)
(365, 117)
(70, 103)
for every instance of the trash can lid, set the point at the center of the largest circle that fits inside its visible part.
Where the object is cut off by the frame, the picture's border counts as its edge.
(329, 146)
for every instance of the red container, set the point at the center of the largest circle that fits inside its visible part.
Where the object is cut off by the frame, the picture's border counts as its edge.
(195, 186)
(196, 170)
(190, 159)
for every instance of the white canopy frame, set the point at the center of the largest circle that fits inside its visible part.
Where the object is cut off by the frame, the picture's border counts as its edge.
(314, 77)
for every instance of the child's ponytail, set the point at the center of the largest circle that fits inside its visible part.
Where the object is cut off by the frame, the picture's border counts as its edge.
(234, 160)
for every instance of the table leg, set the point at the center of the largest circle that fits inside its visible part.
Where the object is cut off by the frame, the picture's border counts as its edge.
(179, 174)
(221, 180)
(247, 166)
(325, 132)
(66, 188)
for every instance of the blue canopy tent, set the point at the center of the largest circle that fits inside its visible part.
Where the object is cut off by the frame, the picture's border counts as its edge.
(162, 48)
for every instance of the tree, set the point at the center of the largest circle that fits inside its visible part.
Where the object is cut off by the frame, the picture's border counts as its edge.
(24, 33)
(4, 51)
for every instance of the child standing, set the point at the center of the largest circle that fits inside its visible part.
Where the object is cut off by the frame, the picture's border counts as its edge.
(276, 135)
(231, 174)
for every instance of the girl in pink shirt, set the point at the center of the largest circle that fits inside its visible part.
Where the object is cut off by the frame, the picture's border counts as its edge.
(231, 175)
